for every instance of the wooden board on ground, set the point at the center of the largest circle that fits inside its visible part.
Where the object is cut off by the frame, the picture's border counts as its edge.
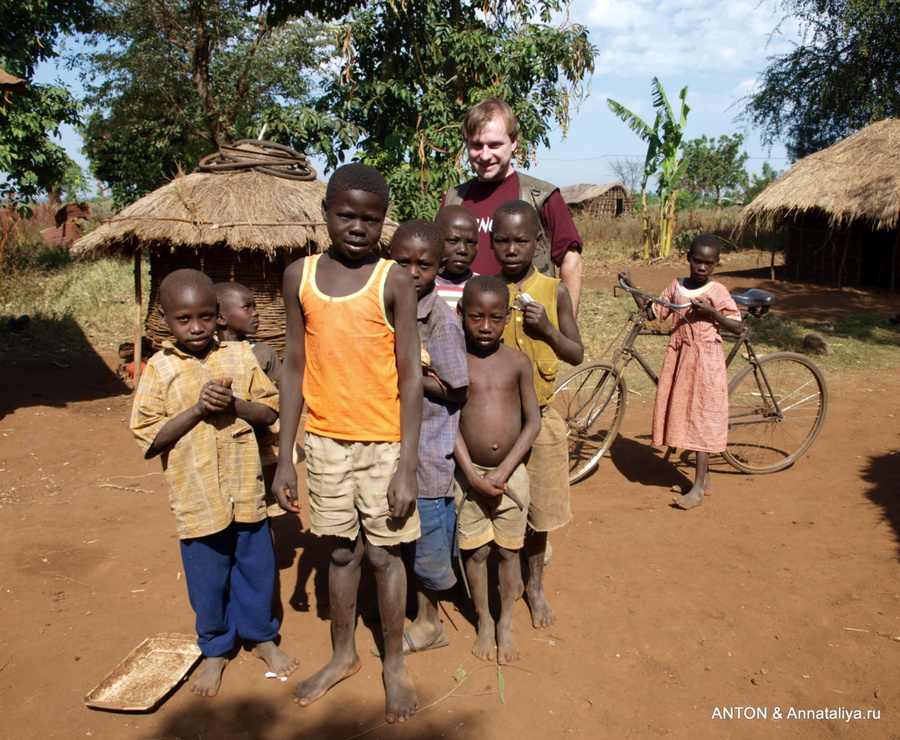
(141, 681)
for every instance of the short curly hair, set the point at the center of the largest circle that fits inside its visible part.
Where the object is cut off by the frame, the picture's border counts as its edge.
(706, 240)
(419, 228)
(484, 285)
(184, 281)
(520, 208)
(358, 176)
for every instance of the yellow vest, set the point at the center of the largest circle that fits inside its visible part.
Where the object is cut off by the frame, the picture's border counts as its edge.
(543, 359)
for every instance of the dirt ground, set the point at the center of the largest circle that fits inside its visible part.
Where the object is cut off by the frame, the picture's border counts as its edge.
(778, 596)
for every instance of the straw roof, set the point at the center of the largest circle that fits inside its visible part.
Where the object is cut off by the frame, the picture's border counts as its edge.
(574, 194)
(10, 82)
(241, 210)
(856, 179)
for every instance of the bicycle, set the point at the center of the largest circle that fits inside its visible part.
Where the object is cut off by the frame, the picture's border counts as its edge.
(777, 403)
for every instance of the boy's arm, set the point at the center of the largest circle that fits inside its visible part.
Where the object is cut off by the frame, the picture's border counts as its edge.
(565, 341)
(484, 485)
(447, 377)
(436, 389)
(214, 396)
(531, 423)
(290, 401)
(400, 305)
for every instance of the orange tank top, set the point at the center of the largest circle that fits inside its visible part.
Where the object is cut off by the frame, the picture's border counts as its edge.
(350, 383)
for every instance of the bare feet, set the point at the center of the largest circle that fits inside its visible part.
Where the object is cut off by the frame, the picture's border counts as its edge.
(541, 613)
(690, 500)
(485, 641)
(506, 643)
(401, 701)
(206, 682)
(281, 664)
(318, 684)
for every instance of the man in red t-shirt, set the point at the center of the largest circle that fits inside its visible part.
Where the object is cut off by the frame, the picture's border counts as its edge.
(491, 133)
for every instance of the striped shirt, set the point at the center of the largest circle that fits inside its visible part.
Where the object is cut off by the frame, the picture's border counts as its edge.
(213, 471)
(452, 291)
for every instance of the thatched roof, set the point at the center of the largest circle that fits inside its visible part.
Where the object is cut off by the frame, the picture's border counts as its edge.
(10, 82)
(574, 194)
(241, 210)
(856, 179)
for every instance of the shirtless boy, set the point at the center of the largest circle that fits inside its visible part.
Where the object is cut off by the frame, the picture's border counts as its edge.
(544, 328)
(460, 230)
(497, 426)
(196, 402)
(353, 355)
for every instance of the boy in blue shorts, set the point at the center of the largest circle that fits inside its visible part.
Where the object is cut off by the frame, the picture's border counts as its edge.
(418, 247)
(353, 356)
(544, 328)
(195, 407)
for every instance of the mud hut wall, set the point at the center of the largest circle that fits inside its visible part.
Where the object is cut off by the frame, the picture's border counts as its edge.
(255, 270)
(614, 202)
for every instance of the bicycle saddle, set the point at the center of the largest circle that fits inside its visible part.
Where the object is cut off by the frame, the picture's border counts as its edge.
(754, 298)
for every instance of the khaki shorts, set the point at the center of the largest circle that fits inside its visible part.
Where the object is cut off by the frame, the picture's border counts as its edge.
(348, 484)
(500, 521)
(548, 469)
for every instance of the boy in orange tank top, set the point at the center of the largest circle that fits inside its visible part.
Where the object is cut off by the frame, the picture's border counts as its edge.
(353, 356)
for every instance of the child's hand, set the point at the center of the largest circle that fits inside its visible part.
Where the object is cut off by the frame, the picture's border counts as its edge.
(488, 487)
(704, 306)
(535, 316)
(402, 493)
(216, 395)
(625, 277)
(284, 486)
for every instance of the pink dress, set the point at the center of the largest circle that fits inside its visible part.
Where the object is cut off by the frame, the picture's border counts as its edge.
(691, 410)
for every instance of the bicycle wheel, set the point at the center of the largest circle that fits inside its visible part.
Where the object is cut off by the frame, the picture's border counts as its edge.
(760, 439)
(592, 400)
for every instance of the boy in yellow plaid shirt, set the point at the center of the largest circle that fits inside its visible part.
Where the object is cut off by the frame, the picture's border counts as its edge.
(195, 407)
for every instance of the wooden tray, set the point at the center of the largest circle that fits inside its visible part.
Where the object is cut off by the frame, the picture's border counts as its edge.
(141, 681)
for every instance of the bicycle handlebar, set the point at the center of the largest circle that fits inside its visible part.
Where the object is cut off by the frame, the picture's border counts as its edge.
(652, 298)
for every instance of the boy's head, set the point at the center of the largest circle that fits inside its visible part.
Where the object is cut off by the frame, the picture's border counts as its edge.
(703, 257)
(237, 316)
(355, 204)
(187, 303)
(491, 134)
(484, 308)
(460, 229)
(515, 236)
(418, 247)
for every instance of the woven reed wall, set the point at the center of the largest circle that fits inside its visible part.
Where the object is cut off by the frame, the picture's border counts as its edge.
(252, 269)
(606, 205)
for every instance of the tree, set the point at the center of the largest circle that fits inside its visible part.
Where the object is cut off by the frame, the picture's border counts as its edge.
(715, 168)
(663, 152)
(759, 183)
(844, 75)
(628, 170)
(412, 70)
(177, 79)
(30, 159)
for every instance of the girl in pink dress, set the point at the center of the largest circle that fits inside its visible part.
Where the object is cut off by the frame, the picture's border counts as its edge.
(691, 410)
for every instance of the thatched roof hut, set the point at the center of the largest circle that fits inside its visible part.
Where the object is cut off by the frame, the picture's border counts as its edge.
(841, 208)
(236, 224)
(598, 201)
(11, 83)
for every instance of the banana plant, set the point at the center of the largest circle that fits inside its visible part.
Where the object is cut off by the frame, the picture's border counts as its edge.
(663, 149)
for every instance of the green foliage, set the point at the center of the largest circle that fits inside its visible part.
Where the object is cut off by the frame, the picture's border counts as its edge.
(715, 168)
(180, 78)
(30, 159)
(758, 183)
(412, 70)
(843, 76)
(663, 150)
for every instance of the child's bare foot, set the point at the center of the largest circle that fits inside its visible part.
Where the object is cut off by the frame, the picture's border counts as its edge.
(319, 683)
(506, 643)
(690, 500)
(401, 701)
(485, 641)
(207, 681)
(541, 613)
(281, 664)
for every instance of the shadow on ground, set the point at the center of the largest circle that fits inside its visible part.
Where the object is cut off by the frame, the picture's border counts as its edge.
(882, 473)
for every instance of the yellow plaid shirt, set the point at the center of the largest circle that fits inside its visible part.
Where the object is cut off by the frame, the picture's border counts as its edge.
(213, 471)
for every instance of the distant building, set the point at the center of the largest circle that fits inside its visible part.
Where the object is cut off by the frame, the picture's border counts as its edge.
(69, 221)
(598, 201)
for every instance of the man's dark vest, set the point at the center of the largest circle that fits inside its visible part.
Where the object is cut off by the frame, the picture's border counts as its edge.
(533, 191)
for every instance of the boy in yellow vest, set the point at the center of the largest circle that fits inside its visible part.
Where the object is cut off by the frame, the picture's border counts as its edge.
(543, 327)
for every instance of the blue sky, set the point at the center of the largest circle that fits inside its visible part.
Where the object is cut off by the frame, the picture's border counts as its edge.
(717, 48)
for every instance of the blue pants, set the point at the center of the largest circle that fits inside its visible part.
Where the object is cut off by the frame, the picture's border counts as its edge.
(231, 579)
(432, 554)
